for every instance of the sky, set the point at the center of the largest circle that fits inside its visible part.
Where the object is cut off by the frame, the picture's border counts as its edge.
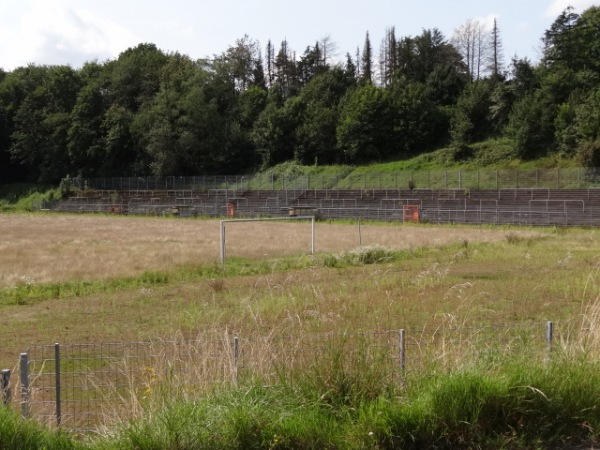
(71, 32)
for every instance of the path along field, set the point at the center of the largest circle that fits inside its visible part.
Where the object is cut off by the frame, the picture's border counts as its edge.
(37, 248)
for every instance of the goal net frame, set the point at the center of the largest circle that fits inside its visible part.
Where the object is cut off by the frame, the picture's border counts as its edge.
(222, 239)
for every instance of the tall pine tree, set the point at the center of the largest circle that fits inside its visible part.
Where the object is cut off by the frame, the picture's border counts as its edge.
(367, 62)
(496, 55)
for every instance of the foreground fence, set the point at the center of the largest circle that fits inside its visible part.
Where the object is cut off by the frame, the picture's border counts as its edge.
(448, 179)
(83, 387)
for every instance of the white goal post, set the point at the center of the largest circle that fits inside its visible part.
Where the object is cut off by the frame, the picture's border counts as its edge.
(223, 222)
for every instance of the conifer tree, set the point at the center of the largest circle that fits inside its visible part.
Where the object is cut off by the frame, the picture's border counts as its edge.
(496, 55)
(367, 62)
(388, 57)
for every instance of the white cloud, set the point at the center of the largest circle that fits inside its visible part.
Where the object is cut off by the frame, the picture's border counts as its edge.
(59, 33)
(558, 6)
(488, 21)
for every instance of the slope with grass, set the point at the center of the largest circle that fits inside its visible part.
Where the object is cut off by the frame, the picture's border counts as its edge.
(492, 154)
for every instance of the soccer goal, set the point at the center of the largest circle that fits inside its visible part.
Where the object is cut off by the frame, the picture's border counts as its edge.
(223, 240)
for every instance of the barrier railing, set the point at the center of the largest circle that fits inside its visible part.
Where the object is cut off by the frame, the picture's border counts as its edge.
(560, 178)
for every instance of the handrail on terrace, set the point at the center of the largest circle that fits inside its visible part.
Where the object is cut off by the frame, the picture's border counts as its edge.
(559, 178)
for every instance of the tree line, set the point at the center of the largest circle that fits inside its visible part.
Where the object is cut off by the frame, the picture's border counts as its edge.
(154, 113)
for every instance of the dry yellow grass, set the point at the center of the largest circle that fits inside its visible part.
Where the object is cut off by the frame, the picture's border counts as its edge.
(280, 315)
(37, 248)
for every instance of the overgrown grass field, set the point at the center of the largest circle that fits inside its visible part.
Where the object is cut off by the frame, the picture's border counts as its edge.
(57, 268)
(78, 279)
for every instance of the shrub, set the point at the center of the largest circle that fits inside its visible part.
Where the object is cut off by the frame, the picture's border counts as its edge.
(588, 153)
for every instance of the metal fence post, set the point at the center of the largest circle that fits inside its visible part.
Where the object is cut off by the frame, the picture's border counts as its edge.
(549, 337)
(24, 367)
(236, 353)
(57, 379)
(402, 351)
(5, 386)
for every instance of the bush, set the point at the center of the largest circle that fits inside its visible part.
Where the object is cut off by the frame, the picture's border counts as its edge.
(588, 153)
(373, 254)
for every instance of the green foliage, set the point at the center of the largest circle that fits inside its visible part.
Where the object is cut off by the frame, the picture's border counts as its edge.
(373, 254)
(588, 153)
(364, 131)
(471, 116)
(274, 133)
(41, 121)
(518, 405)
(316, 134)
(573, 40)
(68, 187)
(19, 434)
(135, 76)
(587, 117)
(155, 113)
(418, 123)
(531, 125)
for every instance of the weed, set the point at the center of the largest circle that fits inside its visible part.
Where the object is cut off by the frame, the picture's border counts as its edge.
(513, 239)
(431, 276)
(373, 254)
(217, 285)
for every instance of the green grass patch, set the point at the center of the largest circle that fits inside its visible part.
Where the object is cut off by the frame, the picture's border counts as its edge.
(509, 406)
(19, 434)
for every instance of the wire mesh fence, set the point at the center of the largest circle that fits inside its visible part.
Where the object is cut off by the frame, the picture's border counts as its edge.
(559, 178)
(83, 387)
(78, 386)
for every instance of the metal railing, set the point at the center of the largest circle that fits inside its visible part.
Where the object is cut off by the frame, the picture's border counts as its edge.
(559, 178)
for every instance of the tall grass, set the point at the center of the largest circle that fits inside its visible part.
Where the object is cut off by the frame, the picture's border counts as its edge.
(519, 406)
(341, 396)
(19, 434)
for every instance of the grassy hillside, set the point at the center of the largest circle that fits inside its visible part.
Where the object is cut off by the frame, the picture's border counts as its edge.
(491, 155)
